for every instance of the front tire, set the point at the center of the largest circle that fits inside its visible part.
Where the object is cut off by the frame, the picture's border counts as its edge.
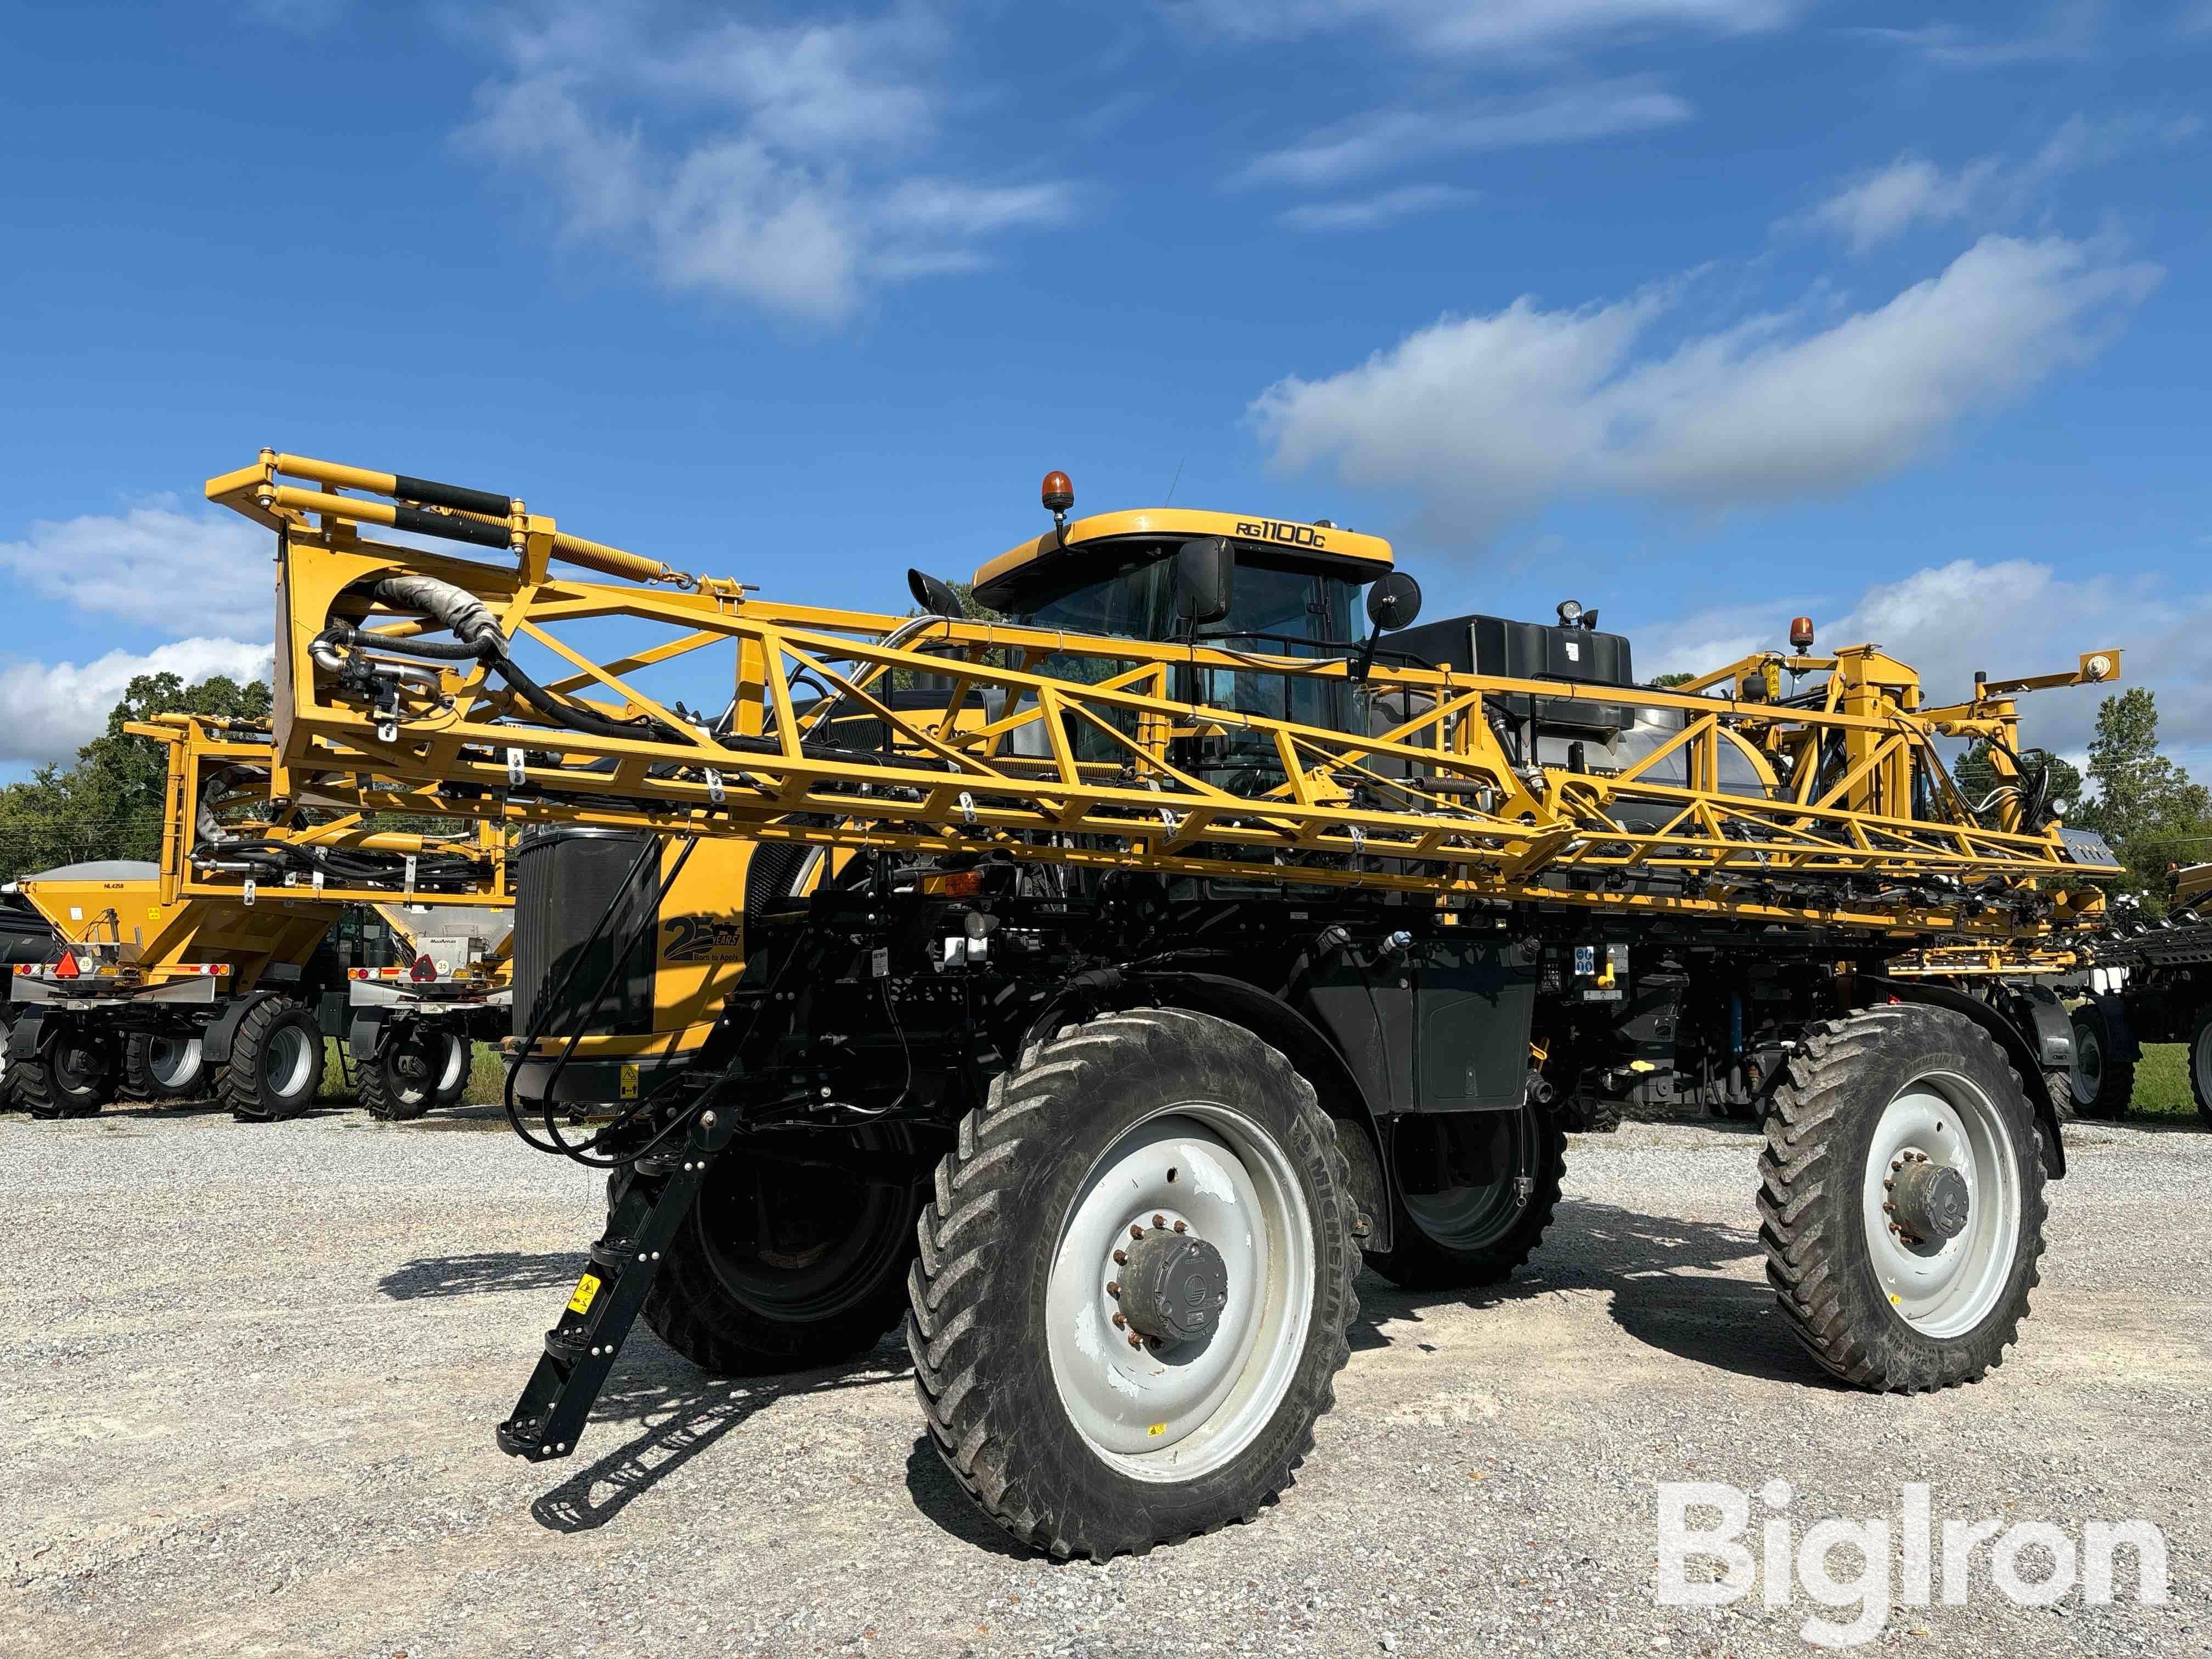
(2101, 1085)
(793, 1255)
(276, 1065)
(1488, 1213)
(1902, 1199)
(1083, 1435)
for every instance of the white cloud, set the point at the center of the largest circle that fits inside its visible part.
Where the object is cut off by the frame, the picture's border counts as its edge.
(205, 570)
(1370, 212)
(1493, 25)
(49, 710)
(779, 166)
(2010, 617)
(1486, 417)
(1912, 192)
(1388, 139)
(2068, 34)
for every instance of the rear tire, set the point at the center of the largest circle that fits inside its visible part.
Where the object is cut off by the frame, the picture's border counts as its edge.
(1069, 1437)
(2101, 1086)
(276, 1065)
(161, 1066)
(73, 1076)
(1479, 1233)
(1868, 1098)
(422, 1065)
(784, 1264)
(2200, 1065)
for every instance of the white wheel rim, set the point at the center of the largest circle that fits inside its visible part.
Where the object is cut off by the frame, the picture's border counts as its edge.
(1946, 1289)
(1172, 1414)
(286, 1062)
(2089, 1073)
(455, 1058)
(174, 1061)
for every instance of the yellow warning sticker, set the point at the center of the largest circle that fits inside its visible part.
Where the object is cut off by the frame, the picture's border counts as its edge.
(153, 913)
(1157, 1428)
(587, 1290)
(630, 1083)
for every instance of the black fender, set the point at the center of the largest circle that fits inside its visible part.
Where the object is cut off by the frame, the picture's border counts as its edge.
(2018, 1048)
(28, 1034)
(1275, 1022)
(365, 1034)
(2048, 1022)
(215, 1041)
(2113, 1005)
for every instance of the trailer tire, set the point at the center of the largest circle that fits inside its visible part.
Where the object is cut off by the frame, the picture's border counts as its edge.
(1036, 1401)
(422, 1066)
(74, 1075)
(830, 1285)
(160, 1066)
(9, 1014)
(1884, 1090)
(2100, 1085)
(276, 1065)
(2199, 1064)
(1440, 1243)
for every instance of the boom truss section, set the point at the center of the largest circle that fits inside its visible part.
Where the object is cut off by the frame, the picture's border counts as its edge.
(425, 682)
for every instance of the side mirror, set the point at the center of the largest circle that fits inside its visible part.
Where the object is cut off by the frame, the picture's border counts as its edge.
(1393, 602)
(1206, 580)
(933, 595)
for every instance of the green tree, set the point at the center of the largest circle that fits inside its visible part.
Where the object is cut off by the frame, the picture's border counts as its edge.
(1976, 775)
(108, 806)
(1663, 681)
(2145, 805)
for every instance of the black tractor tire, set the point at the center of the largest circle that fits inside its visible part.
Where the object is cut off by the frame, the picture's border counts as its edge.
(2099, 1086)
(1036, 1182)
(423, 1065)
(1480, 1234)
(1854, 1086)
(74, 1075)
(10, 1012)
(794, 1255)
(276, 1065)
(163, 1066)
(2199, 1064)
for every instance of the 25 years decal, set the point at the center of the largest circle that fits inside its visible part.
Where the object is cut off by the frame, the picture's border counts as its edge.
(703, 939)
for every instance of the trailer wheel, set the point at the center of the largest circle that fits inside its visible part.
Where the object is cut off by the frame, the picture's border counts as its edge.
(421, 1066)
(1902, 1198)
(9, 1014)
(794, 1256)
(1134, 1281)
(1488, 1218)
(2100, 1085)
(75, 1076)
(276, 1062)
(2200, 1065)
(162, 1066)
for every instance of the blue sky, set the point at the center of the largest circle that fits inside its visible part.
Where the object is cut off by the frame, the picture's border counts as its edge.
(1706, 312)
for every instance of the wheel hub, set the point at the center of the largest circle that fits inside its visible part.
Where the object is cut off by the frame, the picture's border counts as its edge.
(1173, 1287)
(1929, 1201)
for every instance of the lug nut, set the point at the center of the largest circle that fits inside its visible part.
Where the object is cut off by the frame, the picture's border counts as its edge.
(1121, 1258)
(1136, 1341)
(1119, 1323)
(1113, 1287)
(1159, 1221)
(1180, 1228)
(1135, 1231)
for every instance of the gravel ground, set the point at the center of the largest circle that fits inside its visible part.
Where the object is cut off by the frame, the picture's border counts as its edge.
(252, 1373)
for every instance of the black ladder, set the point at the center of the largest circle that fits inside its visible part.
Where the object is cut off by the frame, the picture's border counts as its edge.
(581, 1350)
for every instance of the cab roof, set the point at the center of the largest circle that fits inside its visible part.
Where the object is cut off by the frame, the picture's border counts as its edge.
(1360, 558)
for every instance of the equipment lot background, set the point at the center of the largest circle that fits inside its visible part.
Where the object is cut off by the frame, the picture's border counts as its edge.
(252, 1371)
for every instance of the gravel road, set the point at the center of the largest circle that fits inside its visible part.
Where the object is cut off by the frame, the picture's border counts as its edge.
(252, 1371)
